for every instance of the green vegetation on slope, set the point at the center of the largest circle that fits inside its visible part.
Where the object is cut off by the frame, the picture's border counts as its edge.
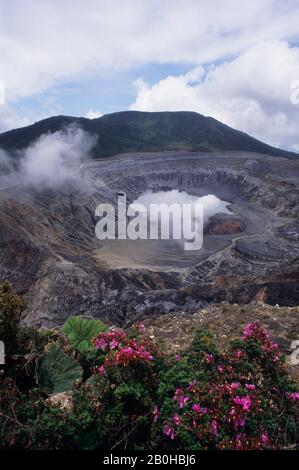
(133, 131)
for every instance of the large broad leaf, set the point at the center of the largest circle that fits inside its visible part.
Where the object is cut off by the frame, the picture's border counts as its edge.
(56, 371)
(80, 332)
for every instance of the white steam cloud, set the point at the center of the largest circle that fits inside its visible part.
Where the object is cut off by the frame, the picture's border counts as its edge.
(51, 161)
(211, 204)
(5, 162)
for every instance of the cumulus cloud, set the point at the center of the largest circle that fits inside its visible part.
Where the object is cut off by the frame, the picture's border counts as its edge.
(251, 92)
(50, 42)
(10, 119)
(93, 114)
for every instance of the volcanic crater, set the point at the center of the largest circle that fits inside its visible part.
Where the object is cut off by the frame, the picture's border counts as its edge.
(50, 252)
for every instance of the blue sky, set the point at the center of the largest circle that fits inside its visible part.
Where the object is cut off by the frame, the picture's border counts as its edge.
(107, 91)
(92, 57)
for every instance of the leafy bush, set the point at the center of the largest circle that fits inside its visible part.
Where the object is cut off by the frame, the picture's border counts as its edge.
(81, 331)
(56, 372)
(11, 308)
(137, 396)
(237, 401)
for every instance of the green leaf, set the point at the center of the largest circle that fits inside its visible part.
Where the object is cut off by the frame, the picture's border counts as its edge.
(81, 331)
(56, 372)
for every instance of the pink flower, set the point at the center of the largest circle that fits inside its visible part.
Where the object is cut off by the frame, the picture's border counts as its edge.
(294, 396)
(128, 350)
(156, 414)
(238, 353)
(145, 354)
(209, 358)
(101, 343)
(178, 357)
(250, 386)
(239, 422)
(198, 409)
(191, 386)
(182, 401)
(220, 369)
(140, 327)
(254, 329)
(177, 393)
(265, 438)
(245, 402)
(235, 385)
(169, 431)
(176, 419)
(102, 370)
(214, 427)
(180, 398)
(113, 344)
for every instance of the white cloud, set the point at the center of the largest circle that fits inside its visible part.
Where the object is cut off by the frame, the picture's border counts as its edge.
(93, 114)
(2, 92)
(251, 92)
(10, 119)
(43, 43)
(52, 42)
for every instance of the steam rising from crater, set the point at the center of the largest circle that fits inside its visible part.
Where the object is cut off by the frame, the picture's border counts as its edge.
(211, 204)
(50, 161)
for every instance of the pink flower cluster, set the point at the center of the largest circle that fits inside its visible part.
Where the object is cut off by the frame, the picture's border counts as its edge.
(121, 349)
(254, 329)
(181, 398)
(132, 354)
(245, 402)
(109, 340)
(239, 400)
(169, 431)
(256, 332)
(225, 411)
(293, 396)
(198, 409)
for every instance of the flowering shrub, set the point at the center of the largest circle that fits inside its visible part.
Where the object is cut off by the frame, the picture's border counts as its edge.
(134, 395)
(123, 350)
(239, 401)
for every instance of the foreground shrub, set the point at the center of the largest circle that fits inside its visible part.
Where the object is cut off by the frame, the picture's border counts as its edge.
(127, 392)
(56, 371)
(81, 331)
(240, 402)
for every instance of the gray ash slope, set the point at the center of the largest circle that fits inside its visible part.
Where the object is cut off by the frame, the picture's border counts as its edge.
(50, 253)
